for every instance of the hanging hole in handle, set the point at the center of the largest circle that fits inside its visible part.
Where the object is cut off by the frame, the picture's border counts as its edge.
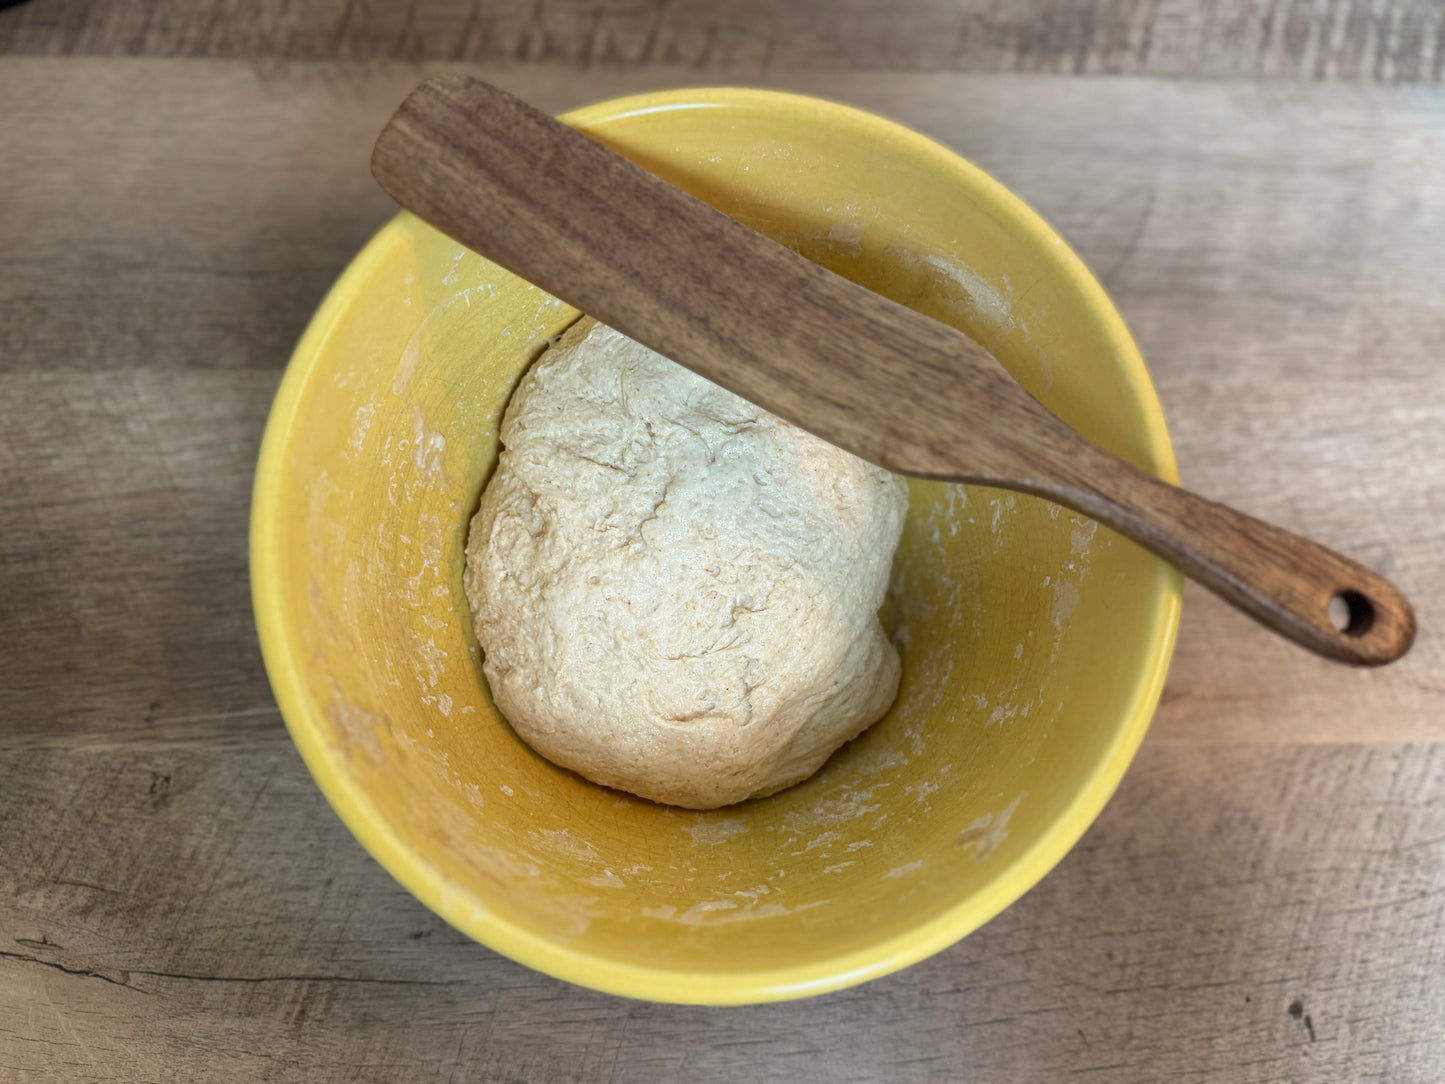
(1351, 613)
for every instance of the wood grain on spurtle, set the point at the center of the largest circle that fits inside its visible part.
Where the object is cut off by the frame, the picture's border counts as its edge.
(887, 383)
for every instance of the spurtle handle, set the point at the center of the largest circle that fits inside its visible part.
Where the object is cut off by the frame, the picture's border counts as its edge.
(1305, 592)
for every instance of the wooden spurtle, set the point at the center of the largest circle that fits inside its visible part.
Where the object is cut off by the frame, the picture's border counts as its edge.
(872, 376)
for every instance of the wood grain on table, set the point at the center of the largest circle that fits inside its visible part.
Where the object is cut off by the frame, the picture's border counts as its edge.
(1261, 187)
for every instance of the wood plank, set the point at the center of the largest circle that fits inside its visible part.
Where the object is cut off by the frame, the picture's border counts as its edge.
(141, 335)
(1238, 226)
(141, 479)
(1358, 40)
(176, 915)
(124, 598)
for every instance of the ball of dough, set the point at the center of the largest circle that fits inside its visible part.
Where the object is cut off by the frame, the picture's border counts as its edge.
(676, 592)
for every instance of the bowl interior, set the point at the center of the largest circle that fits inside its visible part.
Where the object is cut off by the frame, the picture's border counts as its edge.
(1034, 645)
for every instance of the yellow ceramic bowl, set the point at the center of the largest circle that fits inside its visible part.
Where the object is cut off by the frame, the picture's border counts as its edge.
(1034, 646)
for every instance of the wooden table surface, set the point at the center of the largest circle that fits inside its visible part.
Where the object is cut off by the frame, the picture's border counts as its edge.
(1259, 183)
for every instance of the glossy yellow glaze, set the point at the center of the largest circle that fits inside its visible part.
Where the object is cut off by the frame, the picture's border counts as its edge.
(1034, 646)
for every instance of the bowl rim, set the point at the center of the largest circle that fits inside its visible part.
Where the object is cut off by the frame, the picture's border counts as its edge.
(469, 914)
